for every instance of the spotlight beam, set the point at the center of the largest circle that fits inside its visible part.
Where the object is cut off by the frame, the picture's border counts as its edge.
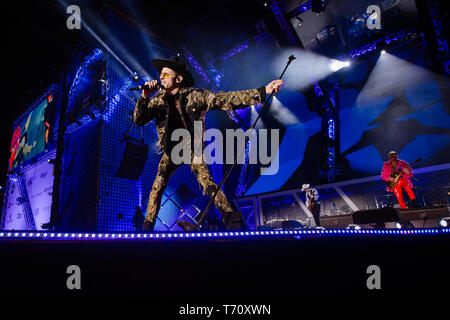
(107, 48)
(64, 5)
(336, 65)
(309, 66)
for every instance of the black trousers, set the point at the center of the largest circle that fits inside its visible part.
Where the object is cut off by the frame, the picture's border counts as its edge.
(315, 210)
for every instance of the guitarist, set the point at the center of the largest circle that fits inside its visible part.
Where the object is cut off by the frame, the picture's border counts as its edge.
(391, 169)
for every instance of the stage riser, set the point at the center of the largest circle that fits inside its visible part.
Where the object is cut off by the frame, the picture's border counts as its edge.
(423, 214)
(429, 223)
(387, 218)
(337, 221)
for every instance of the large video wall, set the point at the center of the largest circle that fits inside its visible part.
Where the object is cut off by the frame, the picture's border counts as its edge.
(390, 102)
(31, 134)
(393, 103)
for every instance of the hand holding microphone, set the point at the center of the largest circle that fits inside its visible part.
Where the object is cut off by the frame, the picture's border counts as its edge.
(148, 88)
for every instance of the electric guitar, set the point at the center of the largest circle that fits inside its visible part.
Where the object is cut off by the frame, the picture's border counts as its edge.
(396, 179)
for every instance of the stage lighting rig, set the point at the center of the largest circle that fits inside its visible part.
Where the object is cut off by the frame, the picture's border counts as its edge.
(358, 25)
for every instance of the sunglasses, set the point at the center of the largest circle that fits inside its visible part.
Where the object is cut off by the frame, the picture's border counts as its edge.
(165, 75)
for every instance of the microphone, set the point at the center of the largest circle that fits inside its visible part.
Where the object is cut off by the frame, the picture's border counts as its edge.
(146, 87)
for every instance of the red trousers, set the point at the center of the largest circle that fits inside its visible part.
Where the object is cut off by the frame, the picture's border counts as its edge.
(398, 191)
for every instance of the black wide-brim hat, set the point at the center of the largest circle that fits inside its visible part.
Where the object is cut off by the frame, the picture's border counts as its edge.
(177, 65)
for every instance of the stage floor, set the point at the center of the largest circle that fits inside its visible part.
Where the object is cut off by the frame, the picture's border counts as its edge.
(281, 267)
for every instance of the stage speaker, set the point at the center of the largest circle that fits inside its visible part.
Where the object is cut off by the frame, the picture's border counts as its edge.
(133, 160)
(341, 221)
(375, 216)
(424, 217)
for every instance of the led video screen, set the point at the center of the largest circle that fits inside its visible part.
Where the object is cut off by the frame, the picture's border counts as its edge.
(31, 134)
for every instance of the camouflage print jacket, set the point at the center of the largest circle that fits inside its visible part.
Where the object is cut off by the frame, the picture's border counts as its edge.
(194, 103)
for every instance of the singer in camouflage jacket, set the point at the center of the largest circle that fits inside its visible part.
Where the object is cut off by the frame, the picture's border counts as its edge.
(179, 105)
(195, 103)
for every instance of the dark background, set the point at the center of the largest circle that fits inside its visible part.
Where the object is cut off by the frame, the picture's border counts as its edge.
(294, 273)
(39, 45)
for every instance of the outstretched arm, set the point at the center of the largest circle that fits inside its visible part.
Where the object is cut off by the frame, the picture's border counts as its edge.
(239, 99)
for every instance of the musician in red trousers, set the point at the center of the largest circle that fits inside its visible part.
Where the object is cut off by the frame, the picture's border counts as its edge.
(390, 170)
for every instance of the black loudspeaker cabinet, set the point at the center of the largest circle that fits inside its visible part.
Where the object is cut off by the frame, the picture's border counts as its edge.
(423, 213)
(427, 217)
(133, 160)
(375, 216)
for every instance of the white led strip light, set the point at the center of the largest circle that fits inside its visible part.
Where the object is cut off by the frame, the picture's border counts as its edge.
(210, 235)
